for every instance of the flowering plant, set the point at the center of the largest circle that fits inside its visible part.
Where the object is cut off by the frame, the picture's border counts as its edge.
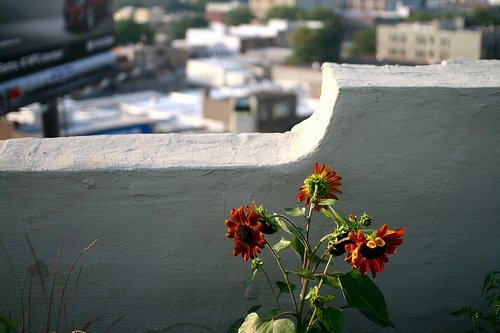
(313, 305)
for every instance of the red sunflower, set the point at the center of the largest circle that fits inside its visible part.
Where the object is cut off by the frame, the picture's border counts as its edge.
(371, 252)
(324, 182)
(244, 228)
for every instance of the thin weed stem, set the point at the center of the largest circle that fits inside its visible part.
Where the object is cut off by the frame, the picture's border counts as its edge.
(51, 299)
(68, 275)
(272, 288)
(20, 289)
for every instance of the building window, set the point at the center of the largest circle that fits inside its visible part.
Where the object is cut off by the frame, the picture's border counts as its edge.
(419, 53)
(282, 111)
(420, 40)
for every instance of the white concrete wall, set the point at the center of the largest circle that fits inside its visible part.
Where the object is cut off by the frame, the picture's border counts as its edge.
(416, 147)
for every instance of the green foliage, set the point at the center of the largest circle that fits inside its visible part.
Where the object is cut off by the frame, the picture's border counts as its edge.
(128, 31)
(361, 293)
(319, 14)
(321, 45)
(7, 325)
(332, 318)
(238, 16)
(179, 28)
(491, 294)
(284, 12)
(253, 324)
(363, 42)
(314, 296)
(485, 17)
(420, 17)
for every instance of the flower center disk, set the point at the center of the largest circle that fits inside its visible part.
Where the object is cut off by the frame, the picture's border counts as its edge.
(244, 234)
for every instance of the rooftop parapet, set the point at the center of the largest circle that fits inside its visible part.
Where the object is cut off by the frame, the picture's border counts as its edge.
(417, 146)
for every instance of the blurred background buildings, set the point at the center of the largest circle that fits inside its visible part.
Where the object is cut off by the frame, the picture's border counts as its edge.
(256, 48)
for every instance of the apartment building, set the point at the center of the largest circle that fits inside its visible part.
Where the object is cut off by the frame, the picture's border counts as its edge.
(432, 43)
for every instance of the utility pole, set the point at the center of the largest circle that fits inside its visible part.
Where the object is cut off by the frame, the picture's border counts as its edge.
(50, 118)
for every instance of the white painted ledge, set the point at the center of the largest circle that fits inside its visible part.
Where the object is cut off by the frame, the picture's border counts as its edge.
(164, 151)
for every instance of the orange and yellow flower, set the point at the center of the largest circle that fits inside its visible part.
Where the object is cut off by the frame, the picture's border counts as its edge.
(370, 252)
(244, 229)
(322, 184)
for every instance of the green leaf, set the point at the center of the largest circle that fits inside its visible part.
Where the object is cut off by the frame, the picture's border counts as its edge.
(253, 324)
(283, 287)
(283, 244)
(305, 273)
(292, 230)
(327, 213)
(283, 225)
(235, 326)
(361, 293)
(328, 298)
(343, 221)
(254, 308)
(9, 325)
(330, 280)
(328, 202)
(297, 245)
(297, 211)
(250, 277)
(283, 325)
(332, 318)
(271, 314)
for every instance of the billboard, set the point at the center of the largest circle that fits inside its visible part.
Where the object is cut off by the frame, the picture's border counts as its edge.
(50, 37)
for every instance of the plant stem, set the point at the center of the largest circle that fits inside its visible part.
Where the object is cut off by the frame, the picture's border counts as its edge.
(272, 288)
(289, 221)
(307, 253)
(301, 238)
(285, 276)
(311, 321)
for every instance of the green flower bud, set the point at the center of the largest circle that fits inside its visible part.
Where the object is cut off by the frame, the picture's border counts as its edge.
(257, 263)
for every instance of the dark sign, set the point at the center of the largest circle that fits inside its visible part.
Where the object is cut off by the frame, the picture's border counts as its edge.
(40, 34)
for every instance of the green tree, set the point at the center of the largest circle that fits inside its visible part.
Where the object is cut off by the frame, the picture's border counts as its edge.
(238, 16)
(128, 31)
(485, 17)
(420, 17)
(363, 42)
(319, 14)
(284, 12)
(321, 45)
(179, 28)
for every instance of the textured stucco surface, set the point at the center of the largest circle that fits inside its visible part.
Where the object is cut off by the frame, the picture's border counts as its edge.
(416, 147)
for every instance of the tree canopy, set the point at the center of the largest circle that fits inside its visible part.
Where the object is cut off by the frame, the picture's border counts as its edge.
(363, 42)
(284, 12)
(179, 28)
(238, 16)
(128, 31)
(321, 45)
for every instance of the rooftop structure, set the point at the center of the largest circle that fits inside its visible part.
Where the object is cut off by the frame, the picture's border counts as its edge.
(215, 11)
(431, 43)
